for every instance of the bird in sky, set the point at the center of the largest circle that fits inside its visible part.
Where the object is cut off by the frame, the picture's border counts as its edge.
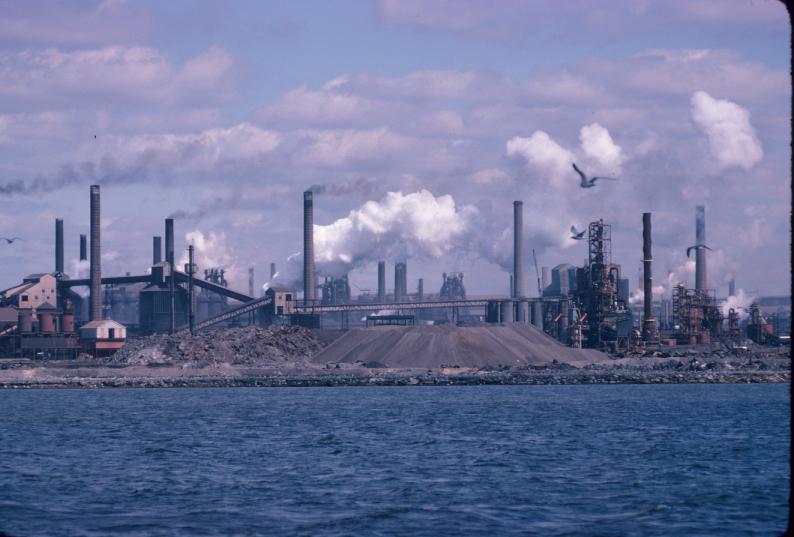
(576, 234)
(697, 247)
(589, 183)
(10, 240)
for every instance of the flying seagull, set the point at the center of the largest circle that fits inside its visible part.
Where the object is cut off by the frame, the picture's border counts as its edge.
(697, 247)
(577, 235)
(12, 239)
(589, 183)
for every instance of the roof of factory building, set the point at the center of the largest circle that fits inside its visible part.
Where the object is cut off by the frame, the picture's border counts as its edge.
(104, 323)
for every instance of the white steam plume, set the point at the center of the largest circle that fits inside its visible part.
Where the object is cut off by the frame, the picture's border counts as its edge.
(732, 139)
(418, 225)
(739, 302)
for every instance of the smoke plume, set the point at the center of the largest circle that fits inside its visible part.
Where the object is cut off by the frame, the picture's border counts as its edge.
(416, 225)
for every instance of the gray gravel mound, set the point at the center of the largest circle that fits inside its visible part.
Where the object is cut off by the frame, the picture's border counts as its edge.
(434, 346)
(274, 345)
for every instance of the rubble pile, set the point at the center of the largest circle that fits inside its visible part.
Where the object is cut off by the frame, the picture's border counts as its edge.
(250, 346)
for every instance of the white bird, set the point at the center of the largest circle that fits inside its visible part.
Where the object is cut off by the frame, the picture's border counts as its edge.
(576, 234)
(697, 247)
(589, 183)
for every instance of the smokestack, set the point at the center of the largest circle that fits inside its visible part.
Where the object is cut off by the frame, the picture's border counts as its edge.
(59, 246)
(95, 311)
(420, 289)
(250, 281)
(83, 248)
(169, 241)
(732, 286)
(648, 329)
(701, 281)
(518, 249)
(157, 250)
(545, 277)
(169, 257)
(272, 270)
(308, 248)
(381, 281)
(400, 281)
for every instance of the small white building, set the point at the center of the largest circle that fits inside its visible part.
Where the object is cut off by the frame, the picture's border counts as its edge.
(102, 338)
(283, 300)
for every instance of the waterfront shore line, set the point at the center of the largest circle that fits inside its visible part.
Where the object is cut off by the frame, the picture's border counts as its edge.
(404, 379)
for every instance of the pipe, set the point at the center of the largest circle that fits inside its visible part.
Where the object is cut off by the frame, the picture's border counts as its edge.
(83, 248)
(648, 328)
(400, 281)
(59, 246)
(381, 281)
(701, 281)
(95, 311)
(169, 257)
(169, 240)
(518, 249)
(308, 248)
(157, 250)
(272, 271)
(191, 311)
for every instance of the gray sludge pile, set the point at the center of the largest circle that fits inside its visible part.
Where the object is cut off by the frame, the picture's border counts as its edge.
(516, 345)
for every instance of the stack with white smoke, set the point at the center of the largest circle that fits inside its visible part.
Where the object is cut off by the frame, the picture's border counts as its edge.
(740, 302)
(416, 225)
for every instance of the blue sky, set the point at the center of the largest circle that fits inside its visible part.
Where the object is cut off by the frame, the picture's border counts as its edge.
(223, 113)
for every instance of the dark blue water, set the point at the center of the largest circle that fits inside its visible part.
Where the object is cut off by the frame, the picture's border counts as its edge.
(499, 460)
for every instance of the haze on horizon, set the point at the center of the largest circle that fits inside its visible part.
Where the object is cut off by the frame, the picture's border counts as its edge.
(221, 115)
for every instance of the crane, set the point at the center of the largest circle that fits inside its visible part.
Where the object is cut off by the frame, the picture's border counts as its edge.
(540, 287)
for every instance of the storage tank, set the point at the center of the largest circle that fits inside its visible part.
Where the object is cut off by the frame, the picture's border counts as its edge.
(25, 321)
(506, 310)
(67, 322)
(46, 322)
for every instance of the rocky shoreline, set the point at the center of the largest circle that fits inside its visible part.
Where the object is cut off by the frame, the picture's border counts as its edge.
(430, 378)
(284, 356)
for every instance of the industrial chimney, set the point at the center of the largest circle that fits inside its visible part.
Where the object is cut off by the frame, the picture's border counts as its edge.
(701, 281)
(308, 248)
(157, 250)
(169, 257)
(95, 311)
(272, 270)
(169, 241)
(59, 246)
(518, 249)
(400, 281)
(381, 281)
(648, 328)
(83, 248)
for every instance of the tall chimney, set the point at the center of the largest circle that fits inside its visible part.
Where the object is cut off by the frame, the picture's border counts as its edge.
(381, 281)
(308, 248)
(83, 248)
(648, 328)
(95, 310)
(701, 281)
(272, 270)
(544, 277)
(420, 289)
(59, 245)
(169, 257)
(157, 250)
(250, 281)
(400, 281)
(732, 286)
(169, 241)
(518, 249)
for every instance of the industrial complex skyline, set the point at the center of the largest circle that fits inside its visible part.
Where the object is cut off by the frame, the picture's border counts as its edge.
(425, 123)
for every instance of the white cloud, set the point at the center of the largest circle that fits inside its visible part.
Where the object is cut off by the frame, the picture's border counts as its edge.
(732, 139)
(544, 155)
(599, 147)
(114, 74)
